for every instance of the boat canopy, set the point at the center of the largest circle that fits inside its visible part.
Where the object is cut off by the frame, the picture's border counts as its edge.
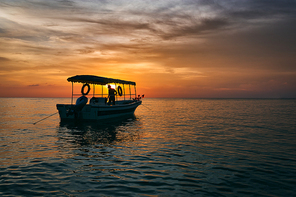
(91, 79)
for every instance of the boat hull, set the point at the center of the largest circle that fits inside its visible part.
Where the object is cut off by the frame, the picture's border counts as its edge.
(97, 112)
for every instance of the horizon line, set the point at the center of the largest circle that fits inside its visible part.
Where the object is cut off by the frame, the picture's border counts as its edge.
(177, 97)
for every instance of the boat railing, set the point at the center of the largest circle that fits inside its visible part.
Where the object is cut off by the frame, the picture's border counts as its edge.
(124, 97)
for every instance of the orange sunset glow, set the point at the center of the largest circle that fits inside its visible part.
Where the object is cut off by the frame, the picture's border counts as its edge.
(192, 49)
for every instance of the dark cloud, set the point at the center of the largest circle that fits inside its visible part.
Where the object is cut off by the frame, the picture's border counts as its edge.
(163, 19)
(196, 29)
(4, 59)
(86, 50)
(265, 9)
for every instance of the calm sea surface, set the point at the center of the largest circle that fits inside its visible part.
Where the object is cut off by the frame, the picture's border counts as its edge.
(171, 147)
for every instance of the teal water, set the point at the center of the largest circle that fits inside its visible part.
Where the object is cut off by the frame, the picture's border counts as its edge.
(170, 147)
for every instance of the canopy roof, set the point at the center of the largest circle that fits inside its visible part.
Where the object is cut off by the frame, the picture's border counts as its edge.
(97, 80)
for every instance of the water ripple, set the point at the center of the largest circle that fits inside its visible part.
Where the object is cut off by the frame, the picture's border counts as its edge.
(182, 147)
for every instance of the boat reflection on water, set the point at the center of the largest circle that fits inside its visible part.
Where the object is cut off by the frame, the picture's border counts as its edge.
(105, 132)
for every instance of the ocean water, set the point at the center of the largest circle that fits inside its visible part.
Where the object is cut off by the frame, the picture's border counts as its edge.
(170, 147)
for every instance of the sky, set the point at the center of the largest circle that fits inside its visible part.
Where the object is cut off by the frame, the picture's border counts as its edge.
(170, 48)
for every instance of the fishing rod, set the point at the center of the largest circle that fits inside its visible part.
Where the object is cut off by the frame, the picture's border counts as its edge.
(45, 118)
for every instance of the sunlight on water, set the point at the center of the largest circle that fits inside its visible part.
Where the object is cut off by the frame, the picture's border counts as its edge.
(174, 147)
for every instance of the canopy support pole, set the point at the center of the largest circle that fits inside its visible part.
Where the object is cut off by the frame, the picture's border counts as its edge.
(102, 90)
(123, 92)
(94, 90)
(130, 93)
(72, 95)
(116, 96)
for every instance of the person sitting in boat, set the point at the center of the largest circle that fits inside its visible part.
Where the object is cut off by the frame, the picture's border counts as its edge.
(112, 93)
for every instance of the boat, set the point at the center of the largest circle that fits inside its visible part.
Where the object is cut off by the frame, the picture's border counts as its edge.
(98, 107)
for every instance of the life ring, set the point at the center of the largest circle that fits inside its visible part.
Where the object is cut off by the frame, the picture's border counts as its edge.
(82, 89)
(119, 91)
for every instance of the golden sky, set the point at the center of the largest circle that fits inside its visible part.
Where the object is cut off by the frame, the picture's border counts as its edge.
(184, 48)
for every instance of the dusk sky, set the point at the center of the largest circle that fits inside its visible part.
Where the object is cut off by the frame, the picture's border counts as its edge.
(184, 48)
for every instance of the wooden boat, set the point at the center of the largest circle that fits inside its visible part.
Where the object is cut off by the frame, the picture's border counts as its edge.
(98, 108)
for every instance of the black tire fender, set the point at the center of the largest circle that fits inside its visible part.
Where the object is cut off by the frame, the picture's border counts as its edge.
(82, 89)
(119, 91)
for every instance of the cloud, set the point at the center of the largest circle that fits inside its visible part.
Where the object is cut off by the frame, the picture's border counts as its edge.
(4, 59)
(222, 42)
